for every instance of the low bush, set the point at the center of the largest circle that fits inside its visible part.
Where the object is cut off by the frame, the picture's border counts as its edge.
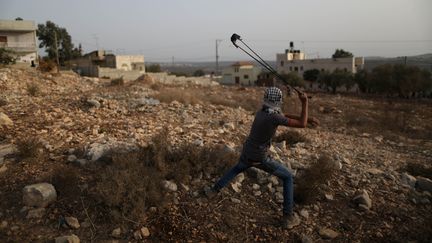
(47, 66)
(33, 89)
(310, 182)
(117, 81)
(129, 183)
(29, 148)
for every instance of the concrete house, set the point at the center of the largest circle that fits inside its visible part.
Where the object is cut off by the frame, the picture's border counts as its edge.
(19, 36)
(240, 73)
(295, 61)
(102, 63)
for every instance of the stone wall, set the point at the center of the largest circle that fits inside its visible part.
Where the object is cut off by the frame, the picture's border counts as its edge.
(172, 79)
(118, 73)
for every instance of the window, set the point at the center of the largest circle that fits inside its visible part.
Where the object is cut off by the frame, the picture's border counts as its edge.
(290, 68)
(345, 69)
(236, 69)
(246, 76)
(322, 69)
(3, 38)
(296, 69)
(301, 68)
(282, 63)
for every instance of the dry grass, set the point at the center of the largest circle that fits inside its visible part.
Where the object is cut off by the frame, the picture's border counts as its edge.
(47, 66)
(29, 148)
(33, 89)
(310, 182)
(131, 182)
(3, 101)
(291, 137)
(117, 82)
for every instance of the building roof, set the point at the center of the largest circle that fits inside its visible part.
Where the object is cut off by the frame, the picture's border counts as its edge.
(17, 25)
(242, 63)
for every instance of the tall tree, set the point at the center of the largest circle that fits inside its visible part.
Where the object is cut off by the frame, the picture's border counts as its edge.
(342, 53)
(47, 34)
(311, 74)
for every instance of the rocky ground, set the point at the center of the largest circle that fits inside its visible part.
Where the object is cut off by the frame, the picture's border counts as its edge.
(57, 131)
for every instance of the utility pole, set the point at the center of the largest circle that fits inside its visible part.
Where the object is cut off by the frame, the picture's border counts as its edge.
(56, 51)
(217, 56)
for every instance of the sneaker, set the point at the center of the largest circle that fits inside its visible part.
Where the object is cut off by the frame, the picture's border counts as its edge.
(290, 221)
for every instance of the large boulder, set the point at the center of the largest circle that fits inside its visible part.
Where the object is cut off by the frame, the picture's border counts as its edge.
(39, 195)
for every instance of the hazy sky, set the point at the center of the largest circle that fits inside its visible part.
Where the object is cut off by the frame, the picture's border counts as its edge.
(187, 30)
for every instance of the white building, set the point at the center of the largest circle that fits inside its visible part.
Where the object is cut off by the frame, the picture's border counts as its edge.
(240, 73)
(19, 36)
(295, 61)
(101, 63)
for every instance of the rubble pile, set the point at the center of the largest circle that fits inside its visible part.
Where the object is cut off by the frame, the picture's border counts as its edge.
(78, 120)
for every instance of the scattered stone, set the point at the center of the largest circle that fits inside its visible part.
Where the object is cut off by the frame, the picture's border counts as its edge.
(329, 197)
(93, 103)
(273, 180)
(72, 222)
(36, 213)
(364, 199)
(145, 232)
(67, 239)
(137, 235)
(235, 200)
(374, 171)
(304, 213)
(255, 186)
(116, 233)
(71, 158)
(408, 179)
(169, 185)
(257, 193)
(424, 184)
(327, 233)
(5, 120)
(236, 187)
(240, 178)
(39, 195)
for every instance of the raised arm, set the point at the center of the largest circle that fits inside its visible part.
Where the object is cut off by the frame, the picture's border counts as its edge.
(300, 121)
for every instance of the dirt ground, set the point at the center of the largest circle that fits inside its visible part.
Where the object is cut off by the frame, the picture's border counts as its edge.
(375, 140)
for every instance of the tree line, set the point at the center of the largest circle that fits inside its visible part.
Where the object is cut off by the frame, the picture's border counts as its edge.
(388, 79)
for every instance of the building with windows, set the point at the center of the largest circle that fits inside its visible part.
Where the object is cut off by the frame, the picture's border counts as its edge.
(240, 73)
(102, 63)
(19, 37)
(295, 61)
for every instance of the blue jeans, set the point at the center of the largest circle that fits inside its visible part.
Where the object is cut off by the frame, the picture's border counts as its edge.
(269, 165)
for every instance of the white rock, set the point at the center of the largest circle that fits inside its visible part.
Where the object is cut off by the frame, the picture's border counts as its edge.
(72, 222)
(327, 233)
(304, 213)
(71, 158)
(255, 186)
(236, 187)
(67, 239)
(145, 232)
(169, 185)
(235, 200)
(5, 120)
(116, 232)
(39, 195)
(36, 213)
